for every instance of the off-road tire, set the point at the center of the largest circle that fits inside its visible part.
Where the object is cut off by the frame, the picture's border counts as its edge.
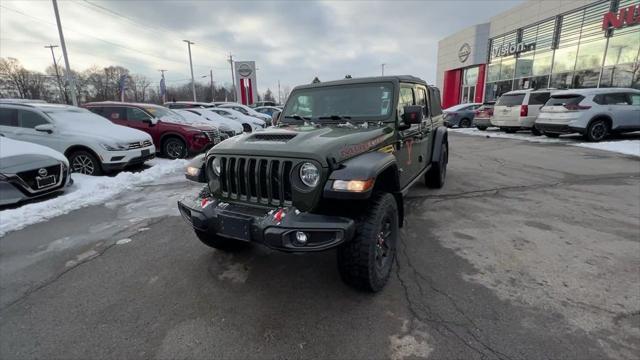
(174, 148)
(436, 176)
(481, 128)
(552, 135)
(464, 123)
(85, 160)
(359, 259)
(220, 243)
(597, 131)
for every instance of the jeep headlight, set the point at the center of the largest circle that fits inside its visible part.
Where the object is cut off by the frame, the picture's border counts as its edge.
(309, 174)
(216, 166)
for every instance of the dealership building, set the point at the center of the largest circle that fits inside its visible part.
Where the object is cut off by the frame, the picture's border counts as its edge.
(542, 44)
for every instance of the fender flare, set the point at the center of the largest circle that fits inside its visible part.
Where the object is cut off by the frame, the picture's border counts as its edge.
(440, 137)
(362, 167)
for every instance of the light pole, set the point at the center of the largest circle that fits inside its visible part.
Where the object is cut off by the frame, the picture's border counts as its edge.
(233, 79)
(279, 93)
(70, 78)
(63, 94)
(193, 82)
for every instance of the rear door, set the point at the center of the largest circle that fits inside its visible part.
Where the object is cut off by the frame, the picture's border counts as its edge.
(9, 122)
(116, 114)
(536, 101)
(635, 110)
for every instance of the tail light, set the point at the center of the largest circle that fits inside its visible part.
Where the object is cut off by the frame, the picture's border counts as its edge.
(576, 107)
(524, 110)
(490, 112)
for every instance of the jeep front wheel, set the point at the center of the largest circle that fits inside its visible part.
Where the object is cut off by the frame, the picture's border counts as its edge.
(365, 262)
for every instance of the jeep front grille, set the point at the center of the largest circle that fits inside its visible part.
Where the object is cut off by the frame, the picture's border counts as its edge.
(256, 180)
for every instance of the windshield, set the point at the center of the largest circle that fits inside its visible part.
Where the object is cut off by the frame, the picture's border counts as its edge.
(510, 100)
(164, 114)
(354, 102)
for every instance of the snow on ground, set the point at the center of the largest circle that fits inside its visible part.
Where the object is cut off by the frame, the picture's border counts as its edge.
(627, 147)
(91, 190)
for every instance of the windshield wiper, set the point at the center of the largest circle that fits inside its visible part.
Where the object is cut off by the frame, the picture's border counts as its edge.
(334, 117)
(297, 117)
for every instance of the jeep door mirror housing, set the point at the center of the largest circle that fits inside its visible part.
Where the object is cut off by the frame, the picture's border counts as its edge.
(275, 117)
(48, 128)
(412, 114)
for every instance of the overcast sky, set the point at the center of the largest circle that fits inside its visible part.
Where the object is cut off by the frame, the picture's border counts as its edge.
(290, 41)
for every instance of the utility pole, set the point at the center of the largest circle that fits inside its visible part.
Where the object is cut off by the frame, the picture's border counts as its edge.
(233, 78)
(63, 94)
(382, 66)
(163, 87)
(213, 92)
(70, 78)
(279, 94)
(193, 82)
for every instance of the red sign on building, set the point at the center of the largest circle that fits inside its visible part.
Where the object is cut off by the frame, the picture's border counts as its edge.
(627, 16)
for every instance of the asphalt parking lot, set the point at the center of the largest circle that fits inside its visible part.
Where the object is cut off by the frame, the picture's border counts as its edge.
(530, 251)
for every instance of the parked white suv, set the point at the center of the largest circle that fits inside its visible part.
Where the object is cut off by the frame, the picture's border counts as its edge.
(518, 109)
(92, 143)
(245, 110)
(594, 113)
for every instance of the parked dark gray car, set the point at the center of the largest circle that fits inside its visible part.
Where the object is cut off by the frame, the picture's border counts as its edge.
(460, 115)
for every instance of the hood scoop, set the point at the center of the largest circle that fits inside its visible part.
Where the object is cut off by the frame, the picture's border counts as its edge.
(272, 137)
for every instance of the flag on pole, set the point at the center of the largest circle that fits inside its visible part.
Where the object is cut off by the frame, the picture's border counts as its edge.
(163, 89)
(121, 84)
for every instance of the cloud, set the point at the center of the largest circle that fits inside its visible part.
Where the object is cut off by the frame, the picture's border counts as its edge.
(290, 41)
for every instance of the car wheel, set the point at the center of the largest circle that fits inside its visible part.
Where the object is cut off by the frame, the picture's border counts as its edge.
(481, 128)
(174, 148)
(597, 131)
(83, 162)
(220, 243)
(464, 123)
(365, 262)
(552, 135)
(247, 128)
(436, 176)
(535, 131)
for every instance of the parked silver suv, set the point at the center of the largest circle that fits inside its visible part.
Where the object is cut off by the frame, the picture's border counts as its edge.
(518, 109)
(594, 113)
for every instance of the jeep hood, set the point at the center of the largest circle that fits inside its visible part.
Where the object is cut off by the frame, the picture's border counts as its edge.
(321, 143)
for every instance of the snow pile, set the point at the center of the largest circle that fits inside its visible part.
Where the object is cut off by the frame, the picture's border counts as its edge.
(627, 147)
(90, 190)
(515, 136)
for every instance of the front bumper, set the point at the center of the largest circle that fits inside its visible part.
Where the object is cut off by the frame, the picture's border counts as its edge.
(559, 128)
(115, 166)
(482, 122)
(14, 190)
(261, 225)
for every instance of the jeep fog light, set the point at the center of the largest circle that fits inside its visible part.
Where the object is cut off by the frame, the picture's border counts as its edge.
(309, 174)
(216, 166)
(193, 171)
(353, 185)
(301, 237)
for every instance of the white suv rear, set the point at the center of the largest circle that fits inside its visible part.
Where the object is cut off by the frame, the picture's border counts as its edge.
(594, 113)
(518, 109)
(92, 143)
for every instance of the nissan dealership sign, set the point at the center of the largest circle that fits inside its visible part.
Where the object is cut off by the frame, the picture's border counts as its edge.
(464, 52)
(625, 17)
(246, 84)
(512, 48)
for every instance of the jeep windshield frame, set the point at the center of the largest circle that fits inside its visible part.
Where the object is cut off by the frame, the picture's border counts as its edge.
(357, 102)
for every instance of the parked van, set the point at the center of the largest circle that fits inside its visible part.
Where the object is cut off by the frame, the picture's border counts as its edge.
(518, 109)
(594, 113)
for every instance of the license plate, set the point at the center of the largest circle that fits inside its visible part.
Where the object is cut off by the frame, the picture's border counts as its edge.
(235, 227)
(145, 152)
(45, 181)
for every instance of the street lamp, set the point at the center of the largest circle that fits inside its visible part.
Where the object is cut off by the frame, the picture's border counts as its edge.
(193, 82)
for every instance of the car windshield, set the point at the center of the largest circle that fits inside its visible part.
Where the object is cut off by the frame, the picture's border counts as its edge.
(165, 114)
(510, 100)
(77, 115)
(355, 102)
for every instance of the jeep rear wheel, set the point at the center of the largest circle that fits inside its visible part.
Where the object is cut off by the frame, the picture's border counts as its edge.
(365, 262)
(436, 176)
(220, 243)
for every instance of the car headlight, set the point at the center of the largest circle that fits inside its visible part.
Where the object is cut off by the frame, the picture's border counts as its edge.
(114, 147)
(309, 174)
(216, 166)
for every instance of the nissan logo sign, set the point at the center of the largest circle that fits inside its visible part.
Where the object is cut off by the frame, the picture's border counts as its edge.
(42, 172)
(244, 70)
(464, 52)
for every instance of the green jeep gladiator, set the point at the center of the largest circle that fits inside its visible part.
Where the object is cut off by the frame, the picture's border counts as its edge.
(331, 174)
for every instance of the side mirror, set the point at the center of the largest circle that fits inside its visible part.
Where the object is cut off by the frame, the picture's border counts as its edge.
(412, 114)
(151, 122)
(48, 128)
(275, 117)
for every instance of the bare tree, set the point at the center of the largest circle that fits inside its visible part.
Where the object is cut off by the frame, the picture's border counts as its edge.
(27, 84)
(139, 85)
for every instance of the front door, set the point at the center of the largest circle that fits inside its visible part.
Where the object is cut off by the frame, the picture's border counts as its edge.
(411, 140)
(468, 94)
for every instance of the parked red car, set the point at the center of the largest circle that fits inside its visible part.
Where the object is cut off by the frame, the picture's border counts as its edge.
(173, 136)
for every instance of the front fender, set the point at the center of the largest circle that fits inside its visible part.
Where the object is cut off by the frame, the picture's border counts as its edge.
(440, 137)
(363, 167)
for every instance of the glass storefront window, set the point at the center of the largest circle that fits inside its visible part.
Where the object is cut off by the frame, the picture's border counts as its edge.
(590, 54)
(565, 59)
(470, 76)
(493, 72)
(507, 68)
(539, 82)
(524, 66)
(561, 81)
(623, 49)
(619, 76)
(542, 63)
(585, 78)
